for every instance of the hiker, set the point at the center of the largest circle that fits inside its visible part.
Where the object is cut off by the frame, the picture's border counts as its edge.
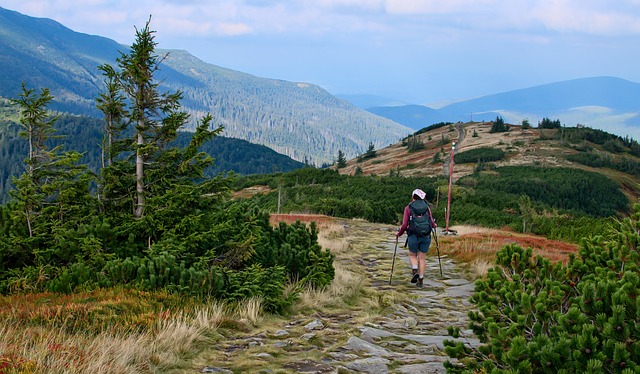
(417, 223)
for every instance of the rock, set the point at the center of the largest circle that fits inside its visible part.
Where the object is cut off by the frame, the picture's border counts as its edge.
(373, 365)
(339, 356)
(210, 369)
(315, 325)
(263, 355)
(429, 367)
(455, 282)
(281, 344)
(372, 334)
(308, 366)
(361, 345)
(410, 322)
(281, 333)
(464, 291)
(308, 336)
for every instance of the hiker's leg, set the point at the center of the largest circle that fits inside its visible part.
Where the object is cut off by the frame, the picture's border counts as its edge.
(422, 264)
(413, 259)
(422, 255)
(412, 242)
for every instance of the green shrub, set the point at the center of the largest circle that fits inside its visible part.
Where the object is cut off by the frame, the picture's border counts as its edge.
(534, 316)
(433, 127)
(498, 125)
(624, 164)
(485, 154)
(563, 188)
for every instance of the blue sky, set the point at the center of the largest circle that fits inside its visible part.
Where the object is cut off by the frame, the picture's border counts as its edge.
(417, 51)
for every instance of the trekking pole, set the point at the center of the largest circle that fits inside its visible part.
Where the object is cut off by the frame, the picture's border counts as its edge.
(435, 237)
(394, 260)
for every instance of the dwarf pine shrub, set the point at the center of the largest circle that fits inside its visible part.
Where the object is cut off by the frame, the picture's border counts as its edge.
(537, 317)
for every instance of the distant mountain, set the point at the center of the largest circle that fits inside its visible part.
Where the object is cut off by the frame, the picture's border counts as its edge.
(369, 101)
(300, 120)
(414, 116)
(607, 103)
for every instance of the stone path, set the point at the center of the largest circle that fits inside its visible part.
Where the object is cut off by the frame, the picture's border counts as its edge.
(410, 338)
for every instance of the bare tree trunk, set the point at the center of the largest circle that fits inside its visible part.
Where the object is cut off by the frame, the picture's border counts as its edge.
(26, 211)
(139, 203)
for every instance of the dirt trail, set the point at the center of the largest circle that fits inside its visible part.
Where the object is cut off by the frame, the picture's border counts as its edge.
(408, 337)
(447, 161)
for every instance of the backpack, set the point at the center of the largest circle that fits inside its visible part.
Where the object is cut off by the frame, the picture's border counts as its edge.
(420, 219)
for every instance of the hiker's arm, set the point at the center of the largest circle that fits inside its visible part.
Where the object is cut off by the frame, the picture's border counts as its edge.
(405, 221)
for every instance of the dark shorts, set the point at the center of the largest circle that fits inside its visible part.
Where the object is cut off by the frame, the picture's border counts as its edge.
(419, 243)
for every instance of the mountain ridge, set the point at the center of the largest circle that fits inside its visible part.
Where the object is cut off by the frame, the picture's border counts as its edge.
(300, 120)
(604, 102)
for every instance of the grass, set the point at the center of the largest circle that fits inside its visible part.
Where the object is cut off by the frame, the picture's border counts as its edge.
(127, 331)
(477, 250)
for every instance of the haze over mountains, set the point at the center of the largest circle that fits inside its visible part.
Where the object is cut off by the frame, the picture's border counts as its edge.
(607, 103)
(300, 120)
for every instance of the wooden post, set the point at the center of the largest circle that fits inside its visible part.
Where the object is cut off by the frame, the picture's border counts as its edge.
(448, 213)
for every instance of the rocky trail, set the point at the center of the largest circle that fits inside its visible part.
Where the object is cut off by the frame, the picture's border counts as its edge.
(407, 337)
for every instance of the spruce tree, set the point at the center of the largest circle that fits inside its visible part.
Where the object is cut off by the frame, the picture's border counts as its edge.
(342, 161)
(499, 125)
(52, 195)
(155, 116)
(159, 183)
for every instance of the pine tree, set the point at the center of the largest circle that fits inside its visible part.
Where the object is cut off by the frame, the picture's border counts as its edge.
(165, 185)
(342, 161)
(52, 195)
(370, 153)
(499, 125)
(155, 116)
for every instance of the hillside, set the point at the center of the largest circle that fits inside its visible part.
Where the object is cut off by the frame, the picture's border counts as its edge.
(300, 120)
(533, 147)
(607, 103)
(83, 134)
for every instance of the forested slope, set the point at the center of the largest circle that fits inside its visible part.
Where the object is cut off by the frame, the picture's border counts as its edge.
(84, 134)
(300, 120)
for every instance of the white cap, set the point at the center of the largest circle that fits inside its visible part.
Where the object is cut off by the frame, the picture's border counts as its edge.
(419, 193)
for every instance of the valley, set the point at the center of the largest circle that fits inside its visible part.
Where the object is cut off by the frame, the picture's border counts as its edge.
(146, 242)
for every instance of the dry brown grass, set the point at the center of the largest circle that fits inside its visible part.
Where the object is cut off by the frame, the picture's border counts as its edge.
(168, 346)
(477, 247)
(346, 286)
(251, 191)
(249, 311)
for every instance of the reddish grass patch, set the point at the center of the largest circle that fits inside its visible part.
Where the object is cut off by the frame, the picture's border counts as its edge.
(93, 311)
(484, 245)
(319, 219)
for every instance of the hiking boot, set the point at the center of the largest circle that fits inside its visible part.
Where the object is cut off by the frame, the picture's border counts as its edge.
(419, 282)
(415, 276)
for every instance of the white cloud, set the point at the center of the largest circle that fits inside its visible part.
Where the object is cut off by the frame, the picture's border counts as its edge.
(233, 29)
(589, 17)
(322, 17)
(431, 7)
(441, 49)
